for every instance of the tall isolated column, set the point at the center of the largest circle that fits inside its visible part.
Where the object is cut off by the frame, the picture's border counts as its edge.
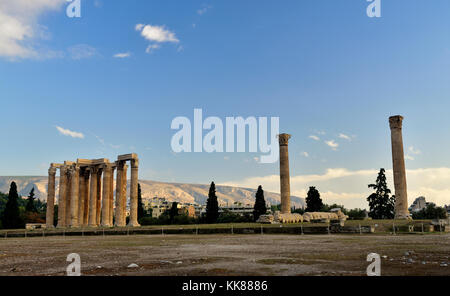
(75, 179)
(106, 196)
(119, 203)
(62, 197)
(285, 186)
(124, 195)
(99, 195)
(93, 198)
(398, 161)
(134, 194)
(50, 214)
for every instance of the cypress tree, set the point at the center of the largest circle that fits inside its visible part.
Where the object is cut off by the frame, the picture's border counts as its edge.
(31, 207)
(11, 215)
(260, 204)
(141, 212)
(212, 205)
(313, 201)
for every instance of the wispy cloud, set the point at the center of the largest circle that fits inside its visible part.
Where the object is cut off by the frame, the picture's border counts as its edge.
(122, 55)
(204, 10)
(81, 51)
(345, 137)
(314, 137)
(332, 144)
(151, 48)
(69, 133)
(304, 154)
(156, 33)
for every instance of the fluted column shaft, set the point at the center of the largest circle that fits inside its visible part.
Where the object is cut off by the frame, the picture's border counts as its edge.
(111, 198)
(398, 161)
(68, 196)
(119, 193)
(62, 197)
(87, 189)
(106, 195)
(81, 198)
(285, 187)
(93, 198)
(99, 195)
(134, 194)
(75, 179)
(50, 213)
(124, 195)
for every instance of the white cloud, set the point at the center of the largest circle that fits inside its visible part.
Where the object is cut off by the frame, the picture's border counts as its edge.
(315, 138)
(305, 154)
(345, 137)
(20, 29)
(415, 151)
(151, 48)
(81, 51)
(203, 10)
(343, 186)
(332, 144)
(409, 157)
(157, 34)
(69, 133)
(122, 55)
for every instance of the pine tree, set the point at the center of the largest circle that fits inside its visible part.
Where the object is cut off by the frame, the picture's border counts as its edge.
(260, 204)
(173, 212)
(313, 200)
(141, 212)
(11, 215)
(382, 206)
(31, 207)
(212, 205)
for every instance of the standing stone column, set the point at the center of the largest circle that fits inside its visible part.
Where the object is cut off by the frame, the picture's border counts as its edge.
(106, 195)
(68, 195)
(111, 197)
(75, 181)
(62, 197)
(86, 176)
(124, 195)
(81, 198)
(285, 186)
(99, 195)
(134, 194)
(398, 160)
(50, 214)
(119, 193)
(93, 198)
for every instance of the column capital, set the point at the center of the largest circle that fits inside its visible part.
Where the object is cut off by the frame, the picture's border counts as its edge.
(283, 139)
(52, 171)
(396, 122)
(134, 163)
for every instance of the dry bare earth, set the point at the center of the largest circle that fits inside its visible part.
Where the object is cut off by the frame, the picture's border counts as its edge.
(228, 254)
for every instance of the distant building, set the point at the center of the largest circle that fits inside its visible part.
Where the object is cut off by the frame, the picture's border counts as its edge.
(237, 208)
(419, 204)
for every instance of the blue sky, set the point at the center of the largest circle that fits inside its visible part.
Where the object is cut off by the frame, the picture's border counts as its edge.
(324, 67)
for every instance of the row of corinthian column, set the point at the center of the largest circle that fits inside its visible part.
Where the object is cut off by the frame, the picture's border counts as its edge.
(86, 193)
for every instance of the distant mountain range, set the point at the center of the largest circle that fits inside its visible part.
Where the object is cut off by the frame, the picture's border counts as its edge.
(187, 193)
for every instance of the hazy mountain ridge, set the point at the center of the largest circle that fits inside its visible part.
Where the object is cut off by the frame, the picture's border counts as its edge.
(188, 193)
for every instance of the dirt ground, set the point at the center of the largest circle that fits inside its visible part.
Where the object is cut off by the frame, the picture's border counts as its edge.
(237, 255)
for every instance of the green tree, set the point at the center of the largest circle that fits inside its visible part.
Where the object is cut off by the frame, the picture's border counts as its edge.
(141, 212)
(382, 205)
(430, 212)
(313, 201)
(212, 205)
(31, 206)
(173, 212)
(260, 204)
(11, 215)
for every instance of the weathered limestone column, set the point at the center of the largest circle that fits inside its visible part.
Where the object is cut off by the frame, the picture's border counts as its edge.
(124, 195)
(81, 198)
(75, 181)
(50, 214)
(99, 195)
(111, 197)
(285, 186)
(62, 197)
(93, 198)
(119, 193)
(398, 160)
(86, 176)
(106, 195)
(134, 194)
(68, 195)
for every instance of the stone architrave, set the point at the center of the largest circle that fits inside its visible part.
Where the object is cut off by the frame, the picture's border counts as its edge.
(398, 161)
(107, 169)
(50, 214)
(62, 197)
(134, 194)
(74, 199)
(285, 188)
(93, 198)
